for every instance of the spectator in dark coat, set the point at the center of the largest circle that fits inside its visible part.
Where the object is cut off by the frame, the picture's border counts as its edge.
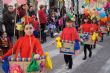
(5, 8)
(8, 20)
(31, 11)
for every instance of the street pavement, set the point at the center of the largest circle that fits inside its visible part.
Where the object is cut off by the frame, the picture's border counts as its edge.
(98, 63)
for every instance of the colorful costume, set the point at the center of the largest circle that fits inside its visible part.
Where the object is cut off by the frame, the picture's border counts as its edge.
(23, 46)
(69, 34)
(86, 29)
(94, 28)
(70, 41)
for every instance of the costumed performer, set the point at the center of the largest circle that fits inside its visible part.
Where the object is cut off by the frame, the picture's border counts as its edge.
(85, 28)
(26, 45)
(69, 33)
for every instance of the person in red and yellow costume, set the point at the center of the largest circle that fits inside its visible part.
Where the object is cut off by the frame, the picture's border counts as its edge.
(26, 45)
(103, 29)
(86, 29)
(94, 29)
(69, 33)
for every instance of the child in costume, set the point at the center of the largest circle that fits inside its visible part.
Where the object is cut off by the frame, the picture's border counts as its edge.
(5, 43)
(94, 29)
(85, 28)
(69, 33)
(26, 45)
(103, 27)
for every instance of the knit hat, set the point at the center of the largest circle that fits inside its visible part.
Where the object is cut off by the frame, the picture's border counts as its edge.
(69, 17)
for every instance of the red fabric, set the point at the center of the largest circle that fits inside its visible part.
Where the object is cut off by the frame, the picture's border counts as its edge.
(94, 28)
(85, 27)
(36, 25)
(69, 34)
(23, 47)
(21, 12)
(102, 23)
(42, 16)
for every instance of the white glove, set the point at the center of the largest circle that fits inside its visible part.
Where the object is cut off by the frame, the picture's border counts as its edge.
(36, 56)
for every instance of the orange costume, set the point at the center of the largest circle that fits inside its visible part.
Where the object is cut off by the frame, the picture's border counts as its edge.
(26, 46)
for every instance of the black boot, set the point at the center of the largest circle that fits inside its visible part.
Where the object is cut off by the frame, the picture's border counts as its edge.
(84, 58)
(90, 55)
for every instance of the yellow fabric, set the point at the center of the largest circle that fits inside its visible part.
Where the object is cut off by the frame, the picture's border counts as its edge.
(94, 36)
(87, 1)
(19, 27)
(58, 42)
(48, 62)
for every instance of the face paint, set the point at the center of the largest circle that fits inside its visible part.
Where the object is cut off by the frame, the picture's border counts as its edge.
(29, 29)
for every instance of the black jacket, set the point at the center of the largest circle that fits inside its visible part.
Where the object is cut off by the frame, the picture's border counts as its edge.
(8, 18)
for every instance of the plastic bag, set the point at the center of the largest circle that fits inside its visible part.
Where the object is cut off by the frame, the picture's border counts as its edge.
(33, 66)
(94, 36)
(58, 42)
(48, 62)
(5, 65)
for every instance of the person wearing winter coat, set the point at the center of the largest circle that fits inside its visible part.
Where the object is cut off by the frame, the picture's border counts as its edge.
(9, 22)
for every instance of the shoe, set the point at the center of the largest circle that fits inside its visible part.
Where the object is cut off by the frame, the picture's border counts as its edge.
(66, 66)
(68, 71)
(84, 58)
(90, 55)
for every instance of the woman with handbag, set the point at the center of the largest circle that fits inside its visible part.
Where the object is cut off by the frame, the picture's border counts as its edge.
(69, 34)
